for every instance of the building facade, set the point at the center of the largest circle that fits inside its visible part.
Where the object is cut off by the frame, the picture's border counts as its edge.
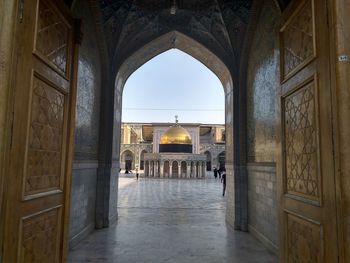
(163, 150)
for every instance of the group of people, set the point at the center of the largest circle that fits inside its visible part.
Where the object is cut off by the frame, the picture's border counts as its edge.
(127, 171)
(222, 177)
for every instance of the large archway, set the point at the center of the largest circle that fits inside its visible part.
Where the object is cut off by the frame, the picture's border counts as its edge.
(127, 160)
(198, 51)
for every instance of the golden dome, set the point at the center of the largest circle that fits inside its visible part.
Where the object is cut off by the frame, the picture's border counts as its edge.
(176, 135)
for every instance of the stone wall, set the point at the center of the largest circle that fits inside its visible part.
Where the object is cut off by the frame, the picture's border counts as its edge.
(83, 198)
(83, 194)
(262, 208)
(262, 87)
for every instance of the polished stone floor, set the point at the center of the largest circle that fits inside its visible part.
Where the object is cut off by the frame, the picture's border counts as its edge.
(164, 220)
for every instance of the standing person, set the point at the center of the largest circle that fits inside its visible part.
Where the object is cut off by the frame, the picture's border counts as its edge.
(219, 172)
(137, 173)
(223, 180)
(215, 172)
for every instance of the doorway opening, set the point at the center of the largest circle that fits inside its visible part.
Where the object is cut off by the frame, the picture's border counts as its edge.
(184, 185)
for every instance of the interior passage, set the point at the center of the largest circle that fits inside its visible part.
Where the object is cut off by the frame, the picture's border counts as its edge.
(167, 220)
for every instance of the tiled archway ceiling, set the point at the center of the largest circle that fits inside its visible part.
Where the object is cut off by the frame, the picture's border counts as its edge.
(220, 25)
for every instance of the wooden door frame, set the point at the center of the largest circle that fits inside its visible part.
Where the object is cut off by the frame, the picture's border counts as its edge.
(71, 134)
(340, 77)
(9, 12)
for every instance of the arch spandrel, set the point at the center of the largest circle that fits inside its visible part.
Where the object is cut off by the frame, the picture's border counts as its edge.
(174, 39)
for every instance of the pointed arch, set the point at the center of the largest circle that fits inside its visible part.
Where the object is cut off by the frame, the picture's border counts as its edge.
(175, 39)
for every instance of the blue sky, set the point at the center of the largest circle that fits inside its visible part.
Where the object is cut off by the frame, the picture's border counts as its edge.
(173, 83)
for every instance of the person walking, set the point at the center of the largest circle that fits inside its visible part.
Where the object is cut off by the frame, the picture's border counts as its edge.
(137, 173)
(215, 172)
(219, 173)
(223, 180)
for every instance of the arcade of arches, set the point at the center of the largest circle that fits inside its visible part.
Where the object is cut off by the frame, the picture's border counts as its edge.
(141, 142)
(284, 67)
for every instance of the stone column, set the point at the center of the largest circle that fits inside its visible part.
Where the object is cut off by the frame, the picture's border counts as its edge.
(156, 170)
(179, 169)
(149, 169)
(199, 169)
(188, 170)
(161, 169)
(204, 170)
(195, 170)
(170, 170)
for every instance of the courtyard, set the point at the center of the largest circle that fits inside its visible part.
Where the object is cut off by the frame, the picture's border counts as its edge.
(169, 220)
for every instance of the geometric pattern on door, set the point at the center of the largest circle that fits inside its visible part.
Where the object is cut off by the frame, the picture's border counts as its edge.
(299, 111)
(298, 40)
(305, 240)
(43, 170)
(39, 236)
(52, 37)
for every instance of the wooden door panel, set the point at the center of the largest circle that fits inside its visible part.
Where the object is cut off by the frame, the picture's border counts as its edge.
(41, 236)
(304, 239)
(45, 151)
(42, 119)
(52, 38)
(301, 147)
(298, 43)
(307, 188)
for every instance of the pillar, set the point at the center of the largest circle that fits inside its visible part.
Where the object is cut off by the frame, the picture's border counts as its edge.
(204, 164)
(188, 170)
(170, 170)
(156, 170)
(161, 169)
(179, 169)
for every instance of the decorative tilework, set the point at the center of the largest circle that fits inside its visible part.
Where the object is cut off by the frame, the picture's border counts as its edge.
(262, 85)
(88, 89)
(134, 23)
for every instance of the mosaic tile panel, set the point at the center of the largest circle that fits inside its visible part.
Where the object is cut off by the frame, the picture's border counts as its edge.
(88, 89)
(216, 25)
(262, 86)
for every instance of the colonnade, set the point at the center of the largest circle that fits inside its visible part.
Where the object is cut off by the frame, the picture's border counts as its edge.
(175, 169)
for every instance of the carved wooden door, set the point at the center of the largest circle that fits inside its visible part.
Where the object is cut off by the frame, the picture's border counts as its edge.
(306, 179)
(43, 121)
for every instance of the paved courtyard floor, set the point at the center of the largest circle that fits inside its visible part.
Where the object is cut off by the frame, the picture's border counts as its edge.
(169, 220)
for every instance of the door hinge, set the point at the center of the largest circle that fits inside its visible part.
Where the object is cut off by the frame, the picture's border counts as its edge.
(21, 10)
